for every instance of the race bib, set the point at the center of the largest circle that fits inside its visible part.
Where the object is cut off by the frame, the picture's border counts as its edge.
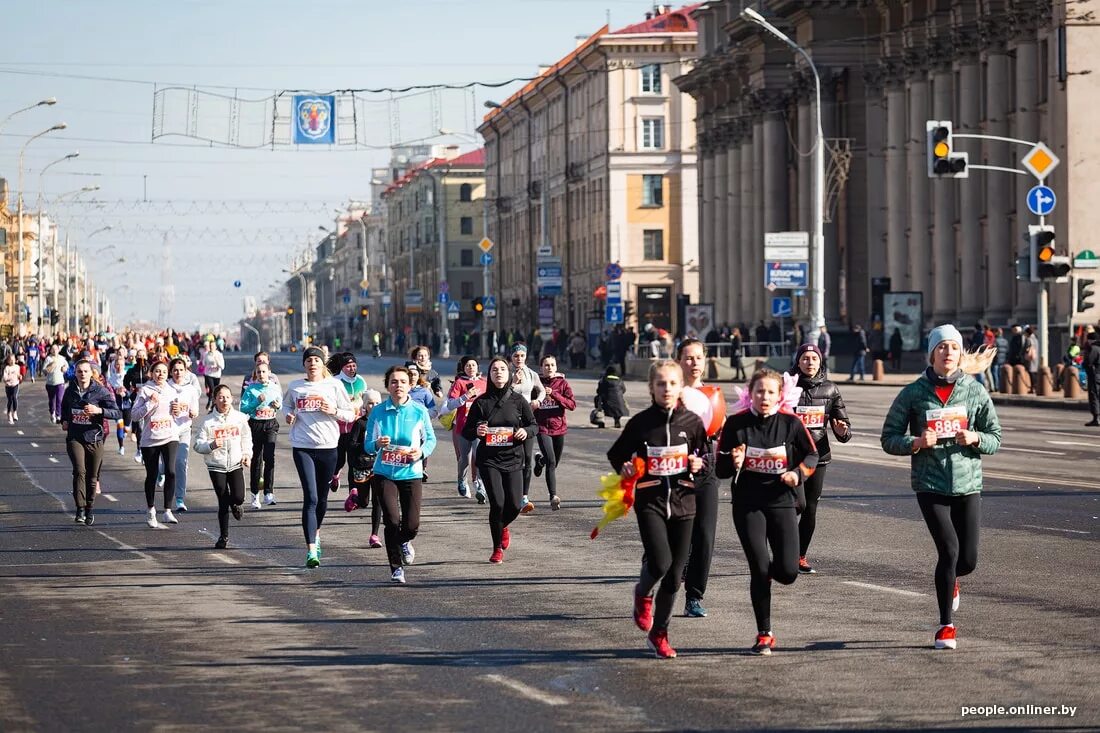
(947, 422)
(766, 460)
(230, 431)
(671, 460)
(265, 413)
(309, 403)
(79, 418)
(159, 425)
(500, 437)
(396, 456)
(358, 476)
(812, 416)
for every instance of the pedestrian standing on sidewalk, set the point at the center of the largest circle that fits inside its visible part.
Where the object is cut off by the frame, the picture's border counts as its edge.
(225, 441)
(860, 355)
(946, 421)
(86, 407)
(1092, 371)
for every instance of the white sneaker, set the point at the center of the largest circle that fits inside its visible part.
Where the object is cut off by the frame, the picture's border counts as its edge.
(169, 517)
(408, 553)
(398, 576)
(122, 450)
(269, 499)
(255, 501)
(137, 457)
(151, 520)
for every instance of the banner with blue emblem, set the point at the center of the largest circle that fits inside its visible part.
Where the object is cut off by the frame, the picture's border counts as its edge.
(314, 120)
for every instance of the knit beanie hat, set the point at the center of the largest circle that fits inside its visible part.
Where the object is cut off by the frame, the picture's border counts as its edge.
(946, 332)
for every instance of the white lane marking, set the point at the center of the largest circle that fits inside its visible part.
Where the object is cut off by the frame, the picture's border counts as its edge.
(1055, 529)
(1057, 432)
(857, 503)
(226, 559)
(524, 690)
(1030, 450)
(886, 589)
(108, 497)
(1057, 442)
(53, 460)
(33, 444)
(19, 432)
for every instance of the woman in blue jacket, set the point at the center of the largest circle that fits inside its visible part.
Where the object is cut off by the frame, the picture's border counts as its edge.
(399, 433)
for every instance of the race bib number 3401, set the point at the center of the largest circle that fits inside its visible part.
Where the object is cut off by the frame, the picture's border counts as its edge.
(947, 422)
(669, 460)
(766, 460)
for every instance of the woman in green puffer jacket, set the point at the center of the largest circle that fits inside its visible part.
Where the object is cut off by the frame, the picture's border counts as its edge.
(945, 420)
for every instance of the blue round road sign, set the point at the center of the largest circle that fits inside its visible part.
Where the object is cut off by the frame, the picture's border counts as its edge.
(613, 271)
(1041, 200)
(236, 283)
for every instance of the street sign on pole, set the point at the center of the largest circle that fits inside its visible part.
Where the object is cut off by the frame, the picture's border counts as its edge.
(489, 302)
(781, 307)
(1086, 259)
(613, 314)
(453, 311)
(786, 275)
(787, 246)
(1040, 160)
(444, 287)
(613, 271)
(486, 259)
(444, 298)
(1041, 200)
(614, 293)
(549, 276)
(485, 244)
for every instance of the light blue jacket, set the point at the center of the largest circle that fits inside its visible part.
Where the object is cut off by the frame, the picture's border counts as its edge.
(408, 425)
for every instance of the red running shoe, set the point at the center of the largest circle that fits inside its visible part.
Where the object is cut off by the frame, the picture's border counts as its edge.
(497, 557)
(945, 637)
(658, 643)
(764, 644)
(955, 599)
(804, 567)
(643, 611)
(505, 539)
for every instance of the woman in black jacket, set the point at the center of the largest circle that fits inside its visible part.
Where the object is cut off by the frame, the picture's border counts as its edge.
(673, 443)
(501, 419)
(85, 406)
(769, 454)
(821, 408)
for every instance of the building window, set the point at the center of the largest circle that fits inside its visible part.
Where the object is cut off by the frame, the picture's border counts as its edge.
(653, 133)
(465, 191)
(654, 244)
(466, 225)
(467, 259)
(651, 79)
(653, 190)
(468, 287)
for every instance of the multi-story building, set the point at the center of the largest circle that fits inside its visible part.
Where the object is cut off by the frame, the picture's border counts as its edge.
(594, 163)
(1005, 68)
(434, 221)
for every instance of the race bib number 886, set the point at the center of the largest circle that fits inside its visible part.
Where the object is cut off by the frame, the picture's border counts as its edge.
(947, 422)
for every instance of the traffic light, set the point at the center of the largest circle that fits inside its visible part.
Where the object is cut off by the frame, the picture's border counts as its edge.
(943, 161)
(364, 312)
(1046, 263)
(478, 305)
(290, 310)
(1084, 292)
(55, 317)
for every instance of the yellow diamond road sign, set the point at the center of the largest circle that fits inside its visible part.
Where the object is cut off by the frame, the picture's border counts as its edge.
(485, 244)
(1040, 160)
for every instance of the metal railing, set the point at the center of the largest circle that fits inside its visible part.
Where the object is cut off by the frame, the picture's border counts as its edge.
(720, 350)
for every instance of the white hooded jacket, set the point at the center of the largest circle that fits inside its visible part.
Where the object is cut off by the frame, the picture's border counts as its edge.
(232, 428)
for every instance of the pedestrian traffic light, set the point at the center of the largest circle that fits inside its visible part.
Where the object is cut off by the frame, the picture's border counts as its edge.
(364, 312)
(1084, 292)
(943, 161)
(478, 305)
(1046, 263)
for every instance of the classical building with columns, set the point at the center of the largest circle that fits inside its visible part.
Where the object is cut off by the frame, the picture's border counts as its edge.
(1005, 68)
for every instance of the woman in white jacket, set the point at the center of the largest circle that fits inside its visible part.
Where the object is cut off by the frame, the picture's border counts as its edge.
(225, 441)
(185, 410)
(160, 438)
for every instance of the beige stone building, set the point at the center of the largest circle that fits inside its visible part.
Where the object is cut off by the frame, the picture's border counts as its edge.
(594, 161)
(1008, 68)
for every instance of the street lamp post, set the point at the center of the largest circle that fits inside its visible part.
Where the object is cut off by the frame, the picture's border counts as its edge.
(44, 103)
(19, 207)
(817, 243)
(70, 265)
(42, 241)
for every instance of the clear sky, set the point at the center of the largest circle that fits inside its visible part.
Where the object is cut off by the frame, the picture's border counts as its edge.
(104, 59)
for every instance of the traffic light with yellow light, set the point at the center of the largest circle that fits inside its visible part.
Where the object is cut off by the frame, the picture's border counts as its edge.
(364, 312)
(478, 306)
(1046, 263)
(290, 310)
(943, 160)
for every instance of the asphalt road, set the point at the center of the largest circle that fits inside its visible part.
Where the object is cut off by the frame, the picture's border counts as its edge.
(119, 627)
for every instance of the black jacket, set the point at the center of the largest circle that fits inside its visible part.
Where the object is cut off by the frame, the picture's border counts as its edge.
(358, 458)
(611, 397)
(655, 427)
(1092, 358)
(90, 429)
(500, 408)
(136, 376)
(787, 436)
(820, 392)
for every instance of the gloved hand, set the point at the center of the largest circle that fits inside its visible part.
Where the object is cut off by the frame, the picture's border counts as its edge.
(352, 502)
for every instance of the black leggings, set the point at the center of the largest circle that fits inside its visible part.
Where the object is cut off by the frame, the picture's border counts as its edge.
(505, 497)
(666, 543)
(401, 513)
(211, 384)
(702, 536)
(229, 488)
(528, 462)
(314, 471)
(343, 447)
(758, 529)
(86, 459)
(953, 522)
(368, 492)
(551, 447)
(13, 397)
(264, 434)
(808, 521)
(153, 457)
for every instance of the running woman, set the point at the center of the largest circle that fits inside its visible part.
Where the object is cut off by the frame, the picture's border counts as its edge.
(346, 369)
(550, 415)
(503, 420)
(185, 408)
(946, 421)
(85, 408)
(673, 443)
(213, 363)
(13, 376)
(312, 408)
(226, 442)
(364, 490)
(526, 383)
(54, 368)
(400, 434)
(821, 408)
(770, 454)
(710, 406)
(154, 410)
(34, 353)
(136, 376)
(467, 386)
(260, 401)
(116, 374)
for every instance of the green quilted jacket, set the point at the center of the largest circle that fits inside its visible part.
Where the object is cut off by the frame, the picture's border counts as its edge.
(948, 468)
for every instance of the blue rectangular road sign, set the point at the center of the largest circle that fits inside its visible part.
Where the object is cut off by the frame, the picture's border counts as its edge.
(786, 275)
(444, 298)
(613, 314)
(781, 307)
(614, 292)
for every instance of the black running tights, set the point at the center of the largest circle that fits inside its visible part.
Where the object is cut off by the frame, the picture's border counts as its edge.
(808, 521)
(229, 488)
(760, 529)
(666, 543)
(505, 490)
(551, 447)
(953, 522)
(153, 457)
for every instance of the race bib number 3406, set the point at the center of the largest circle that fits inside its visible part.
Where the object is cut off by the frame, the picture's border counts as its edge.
(766, 460)
(947, 422)
(669, 460)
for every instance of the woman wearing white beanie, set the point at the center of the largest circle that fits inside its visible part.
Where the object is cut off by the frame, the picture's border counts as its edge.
(946, 421)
